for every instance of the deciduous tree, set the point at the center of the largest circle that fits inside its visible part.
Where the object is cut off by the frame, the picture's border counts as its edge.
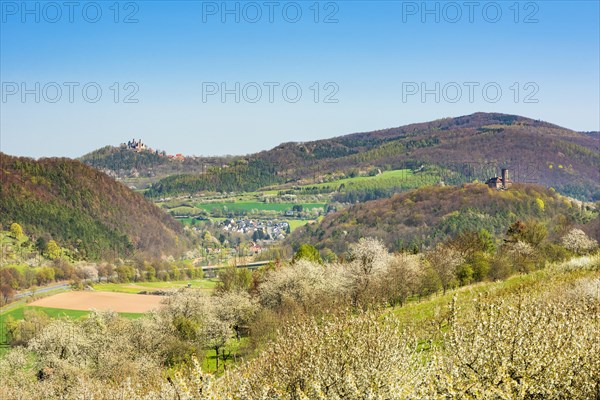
(578, 242)
(53, 250)
(445, 261)
(16, 231)
(307, 252)
(369, 260)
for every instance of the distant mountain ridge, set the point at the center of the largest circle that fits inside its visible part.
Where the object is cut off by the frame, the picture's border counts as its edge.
(83, 209)
(534, 151)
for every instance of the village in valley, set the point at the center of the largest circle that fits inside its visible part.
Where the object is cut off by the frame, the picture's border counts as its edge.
(267, 230)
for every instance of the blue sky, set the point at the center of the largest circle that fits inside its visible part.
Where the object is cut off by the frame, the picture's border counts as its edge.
(359, 66)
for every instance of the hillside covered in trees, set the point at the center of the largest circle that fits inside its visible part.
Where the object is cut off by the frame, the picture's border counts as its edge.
(239, 176)
(423, 217)
(83, 209)
(146, 166)
(474, 146)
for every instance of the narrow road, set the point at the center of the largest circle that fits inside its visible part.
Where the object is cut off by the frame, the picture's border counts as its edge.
(41, 290)
(20, 296)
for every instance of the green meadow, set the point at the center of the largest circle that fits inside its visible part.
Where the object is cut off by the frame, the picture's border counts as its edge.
(136, 287)
(256, 205)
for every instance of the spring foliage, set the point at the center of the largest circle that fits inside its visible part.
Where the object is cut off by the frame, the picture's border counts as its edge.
(533, 341)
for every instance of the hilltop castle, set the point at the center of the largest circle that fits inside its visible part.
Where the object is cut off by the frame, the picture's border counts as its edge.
(139, 146)
(500, 183)
(136, 145)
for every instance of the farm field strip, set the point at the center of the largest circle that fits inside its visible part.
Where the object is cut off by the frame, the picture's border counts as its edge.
(118, 302)
(136, 287)
(256, 205)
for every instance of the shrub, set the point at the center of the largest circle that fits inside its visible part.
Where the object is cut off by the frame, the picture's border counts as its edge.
(578, 242)
(521, 348)
(335, 357)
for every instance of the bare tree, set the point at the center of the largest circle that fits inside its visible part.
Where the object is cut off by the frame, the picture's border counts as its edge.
(402, 278)
(444, 261)
(7, 293)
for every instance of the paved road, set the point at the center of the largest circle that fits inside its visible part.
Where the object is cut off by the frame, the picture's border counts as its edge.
(15, 300)
(41, 290)
(252, 265)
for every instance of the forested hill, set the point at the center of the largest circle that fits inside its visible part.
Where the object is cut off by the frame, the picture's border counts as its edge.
(432, 214)
(534, 151)
(83, 209)
(149, 165)
(121, 158)
(239, 176)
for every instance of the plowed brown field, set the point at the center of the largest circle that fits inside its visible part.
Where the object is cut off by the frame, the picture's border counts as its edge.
(118, 302)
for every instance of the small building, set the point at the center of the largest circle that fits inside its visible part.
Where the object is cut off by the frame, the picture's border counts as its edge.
(500, 182)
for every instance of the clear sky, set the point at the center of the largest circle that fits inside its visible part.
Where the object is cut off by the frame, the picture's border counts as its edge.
(212, 78)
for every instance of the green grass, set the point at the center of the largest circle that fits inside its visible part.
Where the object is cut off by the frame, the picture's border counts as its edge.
(136, 287)
(419, 311)
(117, 287)
(403, 178)
(183, 210)
(209, 363)
(400, 174)
(23, 301)
(256, 205)
(296, 223)
(18, 313)
(187, 221)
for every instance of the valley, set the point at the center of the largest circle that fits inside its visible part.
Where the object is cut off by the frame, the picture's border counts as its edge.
(336, 200)
(219, 271)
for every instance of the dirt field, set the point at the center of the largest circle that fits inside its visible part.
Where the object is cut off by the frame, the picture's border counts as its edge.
(119, 302)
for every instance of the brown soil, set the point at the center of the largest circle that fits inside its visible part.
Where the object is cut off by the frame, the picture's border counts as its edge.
(119, 302)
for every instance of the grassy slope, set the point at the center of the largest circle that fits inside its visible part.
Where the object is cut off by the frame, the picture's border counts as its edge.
(295, 224)
(405, 178)
(419, 312)
(433, 308)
